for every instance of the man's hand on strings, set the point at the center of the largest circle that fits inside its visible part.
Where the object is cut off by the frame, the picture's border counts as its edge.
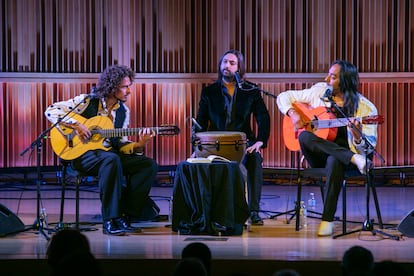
(297, 121)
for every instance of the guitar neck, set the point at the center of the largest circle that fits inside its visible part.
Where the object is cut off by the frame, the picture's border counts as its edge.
(338, 122)
(119, 132)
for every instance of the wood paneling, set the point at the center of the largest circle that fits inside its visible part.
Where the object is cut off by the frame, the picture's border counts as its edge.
(54, 49)
(183, 36)
(174, 100)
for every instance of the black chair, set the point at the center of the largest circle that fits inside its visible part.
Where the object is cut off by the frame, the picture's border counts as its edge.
(294, 213)
(81, 179)
(319, 174)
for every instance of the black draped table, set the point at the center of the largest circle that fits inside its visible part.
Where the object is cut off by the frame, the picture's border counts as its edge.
(209, 198)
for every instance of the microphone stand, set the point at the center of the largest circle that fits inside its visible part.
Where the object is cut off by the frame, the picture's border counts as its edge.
(368, 224)
(194, 128)
(39, 222)
(291, 212)
(254, 86)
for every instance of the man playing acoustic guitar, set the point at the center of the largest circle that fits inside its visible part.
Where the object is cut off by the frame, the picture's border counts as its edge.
(115, 156)
(346, 147)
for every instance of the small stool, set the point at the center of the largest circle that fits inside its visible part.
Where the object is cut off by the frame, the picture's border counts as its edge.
(81, 178)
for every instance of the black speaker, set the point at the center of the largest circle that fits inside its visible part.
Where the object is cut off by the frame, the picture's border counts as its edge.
(9, 222)
(406, 226)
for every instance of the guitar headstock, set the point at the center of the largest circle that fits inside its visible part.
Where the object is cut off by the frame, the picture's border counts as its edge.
(168, 130)
(375, 119)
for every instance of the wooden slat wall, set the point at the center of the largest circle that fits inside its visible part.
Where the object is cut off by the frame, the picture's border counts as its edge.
(55, 49)
(175, 100)
(184, 36)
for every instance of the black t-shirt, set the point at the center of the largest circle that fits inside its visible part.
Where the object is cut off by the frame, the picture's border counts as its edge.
(342, 136)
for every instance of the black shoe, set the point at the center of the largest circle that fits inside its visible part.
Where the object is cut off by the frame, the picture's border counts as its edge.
(125, 225)
(111, 227)
(256, 219)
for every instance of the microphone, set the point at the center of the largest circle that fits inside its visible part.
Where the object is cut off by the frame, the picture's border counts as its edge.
(196, 124)
(238, 80)
(327, 97)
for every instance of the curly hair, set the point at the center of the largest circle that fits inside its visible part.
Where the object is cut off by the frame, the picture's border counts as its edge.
(111, 78)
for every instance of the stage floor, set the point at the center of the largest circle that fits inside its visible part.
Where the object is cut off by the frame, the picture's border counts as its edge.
(276, 243)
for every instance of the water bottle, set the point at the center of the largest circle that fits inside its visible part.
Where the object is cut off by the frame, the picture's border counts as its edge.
(302, 215)
(312, 202)
(170, 209)
(43, 218)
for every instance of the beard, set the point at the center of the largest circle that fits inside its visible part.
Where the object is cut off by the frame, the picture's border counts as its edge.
(227, 75)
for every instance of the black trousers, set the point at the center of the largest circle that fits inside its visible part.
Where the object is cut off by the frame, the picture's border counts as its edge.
(253, 163)
(321, 153)
(119, 196)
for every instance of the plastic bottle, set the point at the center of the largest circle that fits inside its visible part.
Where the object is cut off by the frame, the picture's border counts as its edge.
(43, 218)
(312, 202)
(170, 209)
(302, 215)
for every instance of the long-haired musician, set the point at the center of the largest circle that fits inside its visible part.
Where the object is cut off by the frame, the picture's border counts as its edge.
(339, 93)
(229, 105)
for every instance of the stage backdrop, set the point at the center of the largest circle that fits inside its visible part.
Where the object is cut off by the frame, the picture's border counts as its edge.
(53, 49)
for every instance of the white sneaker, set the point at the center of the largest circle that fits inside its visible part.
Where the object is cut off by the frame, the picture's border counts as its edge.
(359, 161)
(326, 228)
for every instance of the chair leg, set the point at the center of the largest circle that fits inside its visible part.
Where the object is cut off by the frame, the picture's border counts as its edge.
(297, 203)
(60, 224)
(78, 183)
(344, 206)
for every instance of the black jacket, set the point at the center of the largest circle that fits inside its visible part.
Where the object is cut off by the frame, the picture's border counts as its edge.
(212, 112)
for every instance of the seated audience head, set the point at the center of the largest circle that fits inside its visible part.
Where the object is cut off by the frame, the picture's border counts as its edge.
(357, 261)
(65, 242)
(189, 267)
(198, 250)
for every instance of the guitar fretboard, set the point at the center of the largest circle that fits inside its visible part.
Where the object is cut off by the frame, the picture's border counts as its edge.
(339, 122)
(119, 132)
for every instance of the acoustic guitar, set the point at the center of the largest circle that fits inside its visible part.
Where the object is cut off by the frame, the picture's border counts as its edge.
(68, 146)
(322, 122)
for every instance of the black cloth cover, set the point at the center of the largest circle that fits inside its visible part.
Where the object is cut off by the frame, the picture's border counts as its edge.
(209, 198)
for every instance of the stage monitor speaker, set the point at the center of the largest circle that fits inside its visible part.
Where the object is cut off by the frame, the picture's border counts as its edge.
(9, 222)
(406, 226)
